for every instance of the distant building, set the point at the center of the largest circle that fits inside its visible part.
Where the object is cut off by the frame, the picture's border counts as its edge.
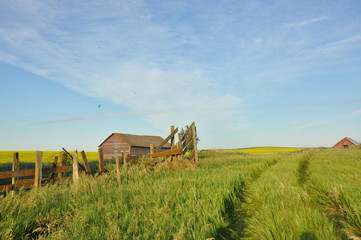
(135, 145)
(345, 143)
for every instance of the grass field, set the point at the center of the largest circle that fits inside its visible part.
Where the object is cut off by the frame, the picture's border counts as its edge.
(310, 194)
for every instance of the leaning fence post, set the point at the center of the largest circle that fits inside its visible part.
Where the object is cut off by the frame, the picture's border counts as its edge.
(16, 166)
(38, 169)
(101, 160)
(85, 160)
(172, 139)
(75, 167)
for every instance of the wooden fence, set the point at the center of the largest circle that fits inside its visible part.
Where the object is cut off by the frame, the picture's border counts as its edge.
(176, 157)
(59, 171)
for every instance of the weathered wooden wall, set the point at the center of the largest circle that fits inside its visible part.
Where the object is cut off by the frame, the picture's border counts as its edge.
(112, 143)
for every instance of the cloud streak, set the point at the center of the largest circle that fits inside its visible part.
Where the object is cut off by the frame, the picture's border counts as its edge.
(316, 123)
(306, 22)
(130, 60)
(179, 70)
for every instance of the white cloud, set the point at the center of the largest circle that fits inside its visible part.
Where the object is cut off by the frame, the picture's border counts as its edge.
(303, 125)
(305, 22)
(358, 111)
(130, 60)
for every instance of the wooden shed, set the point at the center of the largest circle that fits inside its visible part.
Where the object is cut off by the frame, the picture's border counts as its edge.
(345, 143)
(135, 145)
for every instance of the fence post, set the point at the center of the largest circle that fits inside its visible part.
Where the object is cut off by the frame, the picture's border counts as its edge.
(151, 151)
(117, 164)
(85, 160)
(195, 142)
(101, 160)
(75, 167)
(16, 166)
(172, 139)
(180, 156)
(125, 157)
(38, 169)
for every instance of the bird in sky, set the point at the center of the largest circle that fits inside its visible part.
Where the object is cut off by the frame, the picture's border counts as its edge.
(99, 105)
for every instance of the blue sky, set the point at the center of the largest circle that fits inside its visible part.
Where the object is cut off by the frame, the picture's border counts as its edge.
(249, 73)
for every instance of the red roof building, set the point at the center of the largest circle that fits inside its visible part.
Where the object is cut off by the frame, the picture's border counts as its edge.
(345, 143)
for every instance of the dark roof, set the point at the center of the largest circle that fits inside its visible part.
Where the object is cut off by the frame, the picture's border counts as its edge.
(139, 140)
(353, 141)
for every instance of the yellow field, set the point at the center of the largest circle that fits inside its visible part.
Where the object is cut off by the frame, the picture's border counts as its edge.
(30, 156)
(265, 150)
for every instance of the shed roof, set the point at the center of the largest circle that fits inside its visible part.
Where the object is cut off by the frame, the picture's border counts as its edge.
(139, 140)
(353, 141)
(349, 139)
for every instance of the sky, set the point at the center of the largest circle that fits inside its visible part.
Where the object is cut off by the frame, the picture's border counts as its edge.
(249, 73)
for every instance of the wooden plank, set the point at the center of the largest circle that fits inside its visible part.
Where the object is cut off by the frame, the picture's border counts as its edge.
(189, 129)
(38, 169)
(186, 147)
(31, 172)
(85, 160)
(166, 140)
(18, 173)
(75, 167)
(101, 160)
(57, 169)
(16, 166)
(167, 153)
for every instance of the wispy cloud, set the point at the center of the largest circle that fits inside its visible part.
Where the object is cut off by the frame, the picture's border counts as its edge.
(131, 60)
(305, 22)
(300, 125)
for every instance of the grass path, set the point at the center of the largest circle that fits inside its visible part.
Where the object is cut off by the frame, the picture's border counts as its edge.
(334, 186)
(278, 207)
(235, 213)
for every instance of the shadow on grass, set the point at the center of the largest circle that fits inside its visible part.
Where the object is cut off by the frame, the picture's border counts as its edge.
(308, 236)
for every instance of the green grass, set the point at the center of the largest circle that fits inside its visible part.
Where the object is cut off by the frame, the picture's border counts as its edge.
(335, 187)
(157, 205)
(233, 195)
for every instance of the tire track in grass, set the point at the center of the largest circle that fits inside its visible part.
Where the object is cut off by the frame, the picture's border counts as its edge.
(333, 204)
(234, 214)
(278, 206)
(333, 201)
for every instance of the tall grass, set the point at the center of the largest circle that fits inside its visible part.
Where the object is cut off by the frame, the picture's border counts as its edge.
(279, 208)
(233, 195)
(157, 205)
(335, 188)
